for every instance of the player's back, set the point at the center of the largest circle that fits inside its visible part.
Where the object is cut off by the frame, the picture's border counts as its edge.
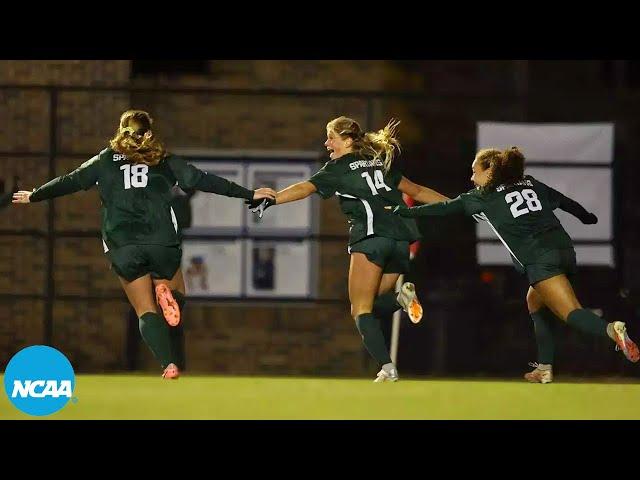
(136, 202)
(522, 213)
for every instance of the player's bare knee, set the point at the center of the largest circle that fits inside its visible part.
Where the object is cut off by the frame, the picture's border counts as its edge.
(357, 310)
(534, 302)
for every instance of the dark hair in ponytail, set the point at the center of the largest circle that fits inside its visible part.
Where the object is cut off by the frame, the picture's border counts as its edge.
(506, 166)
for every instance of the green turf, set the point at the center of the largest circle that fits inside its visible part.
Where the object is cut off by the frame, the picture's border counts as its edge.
(206, 397)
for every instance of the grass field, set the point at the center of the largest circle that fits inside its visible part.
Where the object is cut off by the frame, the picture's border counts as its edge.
(208, 397)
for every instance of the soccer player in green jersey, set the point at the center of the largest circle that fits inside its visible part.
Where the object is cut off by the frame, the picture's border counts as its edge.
(361, 174)
(519, 209)
(140, 235)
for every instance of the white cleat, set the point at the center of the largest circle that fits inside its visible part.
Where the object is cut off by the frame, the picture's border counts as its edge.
(624, 343)
(409, 302)
(388, 373)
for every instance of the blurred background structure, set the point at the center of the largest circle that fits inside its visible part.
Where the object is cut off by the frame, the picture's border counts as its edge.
(56, 287)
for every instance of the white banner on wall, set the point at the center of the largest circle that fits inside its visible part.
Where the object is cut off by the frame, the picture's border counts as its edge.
(575, 159)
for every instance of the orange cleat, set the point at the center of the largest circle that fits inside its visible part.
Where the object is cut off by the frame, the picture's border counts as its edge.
(168, 304)
(409, 302)
(171, 372)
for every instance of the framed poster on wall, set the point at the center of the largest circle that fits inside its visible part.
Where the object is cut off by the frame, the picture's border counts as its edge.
(212, 268)
(217, 214)
(295, 218)
(278, 268)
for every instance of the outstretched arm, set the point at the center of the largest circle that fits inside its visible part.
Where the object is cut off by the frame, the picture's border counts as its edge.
(294, 192)
(450, 207)
(190, 177)
(420, 193)
(82, 178)
(571, 206)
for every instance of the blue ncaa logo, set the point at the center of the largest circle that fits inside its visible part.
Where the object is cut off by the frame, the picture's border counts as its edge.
(39, 380)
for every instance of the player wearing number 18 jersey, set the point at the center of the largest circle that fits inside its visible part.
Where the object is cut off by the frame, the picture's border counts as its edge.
(520, 211)
(362, 175)
(139, 228)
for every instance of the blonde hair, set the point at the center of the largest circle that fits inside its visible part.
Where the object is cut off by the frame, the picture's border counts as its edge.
(134, 138)
(507, 166)
(379, 145)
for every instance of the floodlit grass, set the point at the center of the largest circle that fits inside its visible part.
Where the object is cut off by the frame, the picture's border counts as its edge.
(224, 397)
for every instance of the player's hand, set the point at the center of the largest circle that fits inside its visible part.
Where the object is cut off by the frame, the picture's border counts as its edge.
(260, 205)
(590, 219)
(401, 210)
(261, 193)
(22, 196)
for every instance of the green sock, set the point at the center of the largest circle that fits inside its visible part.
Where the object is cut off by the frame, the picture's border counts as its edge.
(176, 334)
(587, 321)
(386, 304)
(372, 337)
(543, 323)
(155, 333)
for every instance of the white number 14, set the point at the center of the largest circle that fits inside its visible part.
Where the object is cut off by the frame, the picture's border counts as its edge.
(379, 181)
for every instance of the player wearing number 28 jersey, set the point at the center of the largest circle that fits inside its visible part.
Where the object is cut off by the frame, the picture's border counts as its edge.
(520, 211)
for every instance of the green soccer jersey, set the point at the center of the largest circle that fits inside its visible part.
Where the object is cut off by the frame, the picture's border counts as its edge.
(136, 198)
(364, 191)
(521, 214)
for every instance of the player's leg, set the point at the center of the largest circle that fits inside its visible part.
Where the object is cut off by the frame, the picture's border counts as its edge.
(364, 282)
(543, 326)
(368, 259)
(170, 294)
(176, 287)
(386, 303)
(167, 280)
(398, 262)
(388, 300)
(153, 328)
(557, 293)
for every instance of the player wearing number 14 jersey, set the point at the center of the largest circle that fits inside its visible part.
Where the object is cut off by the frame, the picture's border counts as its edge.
(139, 228)
(362, 175)
(519, 209)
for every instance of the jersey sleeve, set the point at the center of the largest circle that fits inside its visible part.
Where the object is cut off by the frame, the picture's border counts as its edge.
(325, 181)
(192, 178)
(465, 204)
(558, 200)
(82, 178)
(393, 177)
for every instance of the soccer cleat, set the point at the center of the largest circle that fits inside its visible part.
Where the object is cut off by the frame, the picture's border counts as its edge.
(168, 304)
(408, 299)
(389, 374)
(171, 372)
(624, 343)
(539, 375)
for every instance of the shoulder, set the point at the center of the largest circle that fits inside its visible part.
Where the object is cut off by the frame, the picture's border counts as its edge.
(329, 167)
(109, 155)
(474, 196)
(172, 159)
(473, 193)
